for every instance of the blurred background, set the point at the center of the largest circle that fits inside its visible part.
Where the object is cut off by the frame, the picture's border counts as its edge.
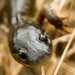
(8, 66)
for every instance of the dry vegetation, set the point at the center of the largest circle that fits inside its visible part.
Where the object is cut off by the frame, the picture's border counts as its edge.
(63, 58)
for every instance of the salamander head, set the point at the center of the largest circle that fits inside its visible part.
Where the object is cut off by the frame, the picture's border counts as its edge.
(30, 46)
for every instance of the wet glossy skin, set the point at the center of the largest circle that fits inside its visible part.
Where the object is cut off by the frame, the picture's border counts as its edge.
(30, 46)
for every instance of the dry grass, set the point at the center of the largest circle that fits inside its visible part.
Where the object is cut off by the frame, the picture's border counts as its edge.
(63, 58)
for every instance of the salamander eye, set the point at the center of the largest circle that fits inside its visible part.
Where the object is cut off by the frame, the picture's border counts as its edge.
(43, 38)
(22, 54)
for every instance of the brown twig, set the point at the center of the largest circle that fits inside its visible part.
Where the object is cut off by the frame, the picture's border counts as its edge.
(64, 38)
(70, 52)
(17, 69)
(68, 68)
(64, 53)
(70, 11)
(42, 70)
(62, 2)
